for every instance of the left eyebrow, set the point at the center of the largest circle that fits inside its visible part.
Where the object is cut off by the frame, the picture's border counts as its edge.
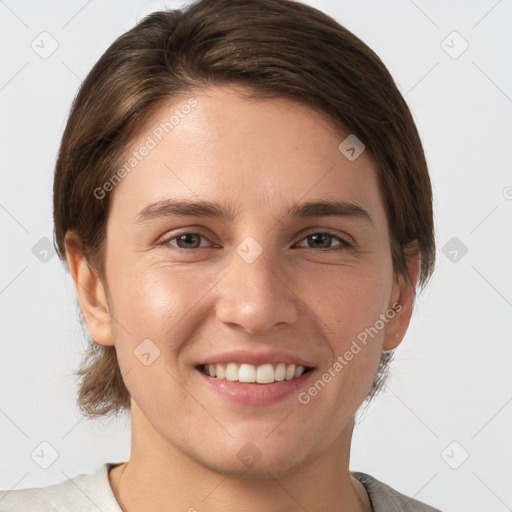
(186, 207)
(328, 209)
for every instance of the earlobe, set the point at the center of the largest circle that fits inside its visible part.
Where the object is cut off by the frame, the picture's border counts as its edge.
(404, 303)
(91, 292)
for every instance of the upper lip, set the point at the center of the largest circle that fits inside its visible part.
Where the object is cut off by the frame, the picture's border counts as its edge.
(255, 358)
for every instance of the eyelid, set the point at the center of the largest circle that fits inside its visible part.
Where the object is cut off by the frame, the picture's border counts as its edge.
(344, 237)
(342, 241)
(168, 237)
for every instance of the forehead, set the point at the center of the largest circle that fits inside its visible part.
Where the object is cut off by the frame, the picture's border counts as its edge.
(253, 154)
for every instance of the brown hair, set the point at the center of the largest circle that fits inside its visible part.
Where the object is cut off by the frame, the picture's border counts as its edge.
(274, 48)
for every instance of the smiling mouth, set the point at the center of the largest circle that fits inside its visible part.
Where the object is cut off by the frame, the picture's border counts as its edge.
(248, 373)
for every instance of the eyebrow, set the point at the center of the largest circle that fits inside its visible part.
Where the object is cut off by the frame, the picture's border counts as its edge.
(186, 207)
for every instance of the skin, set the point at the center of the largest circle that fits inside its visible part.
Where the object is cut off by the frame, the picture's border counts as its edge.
(307, 299)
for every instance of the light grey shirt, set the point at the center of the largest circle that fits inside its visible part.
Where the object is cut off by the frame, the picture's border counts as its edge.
(92, 492)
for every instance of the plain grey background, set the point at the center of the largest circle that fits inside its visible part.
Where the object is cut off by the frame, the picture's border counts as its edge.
(441, 430)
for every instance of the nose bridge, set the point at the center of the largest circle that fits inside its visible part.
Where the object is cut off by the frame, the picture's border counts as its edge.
(253, 294)
(255, 266)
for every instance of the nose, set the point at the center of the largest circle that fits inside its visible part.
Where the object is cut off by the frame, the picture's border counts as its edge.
(257, 296)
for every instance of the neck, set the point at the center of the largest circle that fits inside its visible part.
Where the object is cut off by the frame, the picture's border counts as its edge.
(158, 475)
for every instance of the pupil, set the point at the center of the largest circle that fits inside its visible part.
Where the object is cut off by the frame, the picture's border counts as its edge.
(325, 236)
(186, 238)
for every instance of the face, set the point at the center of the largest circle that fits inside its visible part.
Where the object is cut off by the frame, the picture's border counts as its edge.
(268, 290)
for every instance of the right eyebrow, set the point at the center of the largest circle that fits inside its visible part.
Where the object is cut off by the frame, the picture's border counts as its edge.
(185, 207)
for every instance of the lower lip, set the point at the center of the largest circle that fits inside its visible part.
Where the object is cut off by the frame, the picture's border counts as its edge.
(253, 393)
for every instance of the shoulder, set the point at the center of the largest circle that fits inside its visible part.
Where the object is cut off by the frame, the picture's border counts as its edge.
(385, 498)
(82, 493)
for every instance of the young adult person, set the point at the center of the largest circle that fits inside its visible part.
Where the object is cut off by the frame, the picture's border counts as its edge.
(242, 199)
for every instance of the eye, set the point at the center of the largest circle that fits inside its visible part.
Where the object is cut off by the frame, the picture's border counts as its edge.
(186, 240)
(322, 240)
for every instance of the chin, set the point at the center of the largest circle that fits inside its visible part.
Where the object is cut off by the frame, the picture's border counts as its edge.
(261, 470)
(253, 461)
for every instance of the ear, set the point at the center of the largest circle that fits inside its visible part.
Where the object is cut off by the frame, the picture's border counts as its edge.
(90, 291)
(403, 297)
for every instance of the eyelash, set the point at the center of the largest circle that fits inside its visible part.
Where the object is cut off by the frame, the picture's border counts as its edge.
(342, 245)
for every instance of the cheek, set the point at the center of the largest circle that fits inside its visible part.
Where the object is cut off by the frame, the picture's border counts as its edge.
(148, 304)
(349, 302)
(163, 303)
(152, 325)
(353, 305)
(166, 303)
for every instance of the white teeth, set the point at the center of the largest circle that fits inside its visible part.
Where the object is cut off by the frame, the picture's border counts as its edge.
(247, 373)
(280, 372)
(220, 371)
(232, 372)
(263, 374)
(290, 372)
